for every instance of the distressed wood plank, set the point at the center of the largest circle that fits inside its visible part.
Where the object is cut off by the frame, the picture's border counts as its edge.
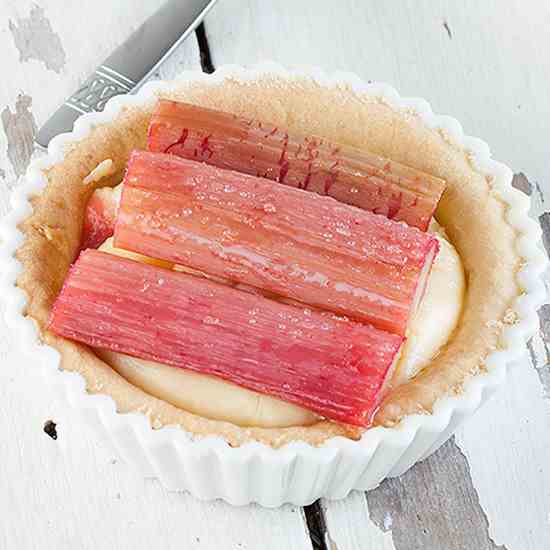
(406, 512)
(349, 527)
(69, 492)
(71, 25)
(73, 493)
(43, 54)
(539, 346)
(433, 505)
(492, 74)
(469, 60)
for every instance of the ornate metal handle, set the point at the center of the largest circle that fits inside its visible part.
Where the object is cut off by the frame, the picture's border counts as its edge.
(104, 84)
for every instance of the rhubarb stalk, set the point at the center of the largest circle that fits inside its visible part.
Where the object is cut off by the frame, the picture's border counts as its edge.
(332, 366)
(298, 245)
(351, 175)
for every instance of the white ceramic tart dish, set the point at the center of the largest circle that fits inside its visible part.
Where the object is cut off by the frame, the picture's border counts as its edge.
(485, 218)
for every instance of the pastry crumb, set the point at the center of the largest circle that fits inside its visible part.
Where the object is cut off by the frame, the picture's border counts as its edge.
(410, 112)
(445, 135)
(456, 390)
(156, 423)
(45, 231)
(511, 317)
(144, 409)
(104, 169)
(490, 179)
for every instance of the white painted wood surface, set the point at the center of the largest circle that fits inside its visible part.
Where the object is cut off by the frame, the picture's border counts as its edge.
(491, 70)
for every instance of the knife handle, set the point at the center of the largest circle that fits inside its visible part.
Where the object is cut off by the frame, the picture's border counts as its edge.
(92, 95)
(101, 86)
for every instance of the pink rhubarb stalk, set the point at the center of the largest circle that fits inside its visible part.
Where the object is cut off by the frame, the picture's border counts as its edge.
(350, 175)
(332, 366)
(99, 217)
(295, 244)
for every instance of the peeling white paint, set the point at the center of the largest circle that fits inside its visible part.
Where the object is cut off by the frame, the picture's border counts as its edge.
(35, 39)
(430, 505)
(507, 445)
(20, 129)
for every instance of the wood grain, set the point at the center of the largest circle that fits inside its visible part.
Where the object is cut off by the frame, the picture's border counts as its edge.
(349, 526)
(69, 492)
(430, 505)
(484, 64)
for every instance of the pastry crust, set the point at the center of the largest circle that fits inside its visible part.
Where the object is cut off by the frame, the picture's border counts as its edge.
(473, 215)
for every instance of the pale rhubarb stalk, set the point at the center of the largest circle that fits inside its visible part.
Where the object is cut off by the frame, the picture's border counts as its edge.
(332, 366)
(350, 175)
(295, 244)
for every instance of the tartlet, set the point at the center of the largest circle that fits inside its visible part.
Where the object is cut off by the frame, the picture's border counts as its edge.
(473, 211)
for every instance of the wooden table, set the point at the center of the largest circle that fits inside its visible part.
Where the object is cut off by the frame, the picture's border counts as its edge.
(485, 62)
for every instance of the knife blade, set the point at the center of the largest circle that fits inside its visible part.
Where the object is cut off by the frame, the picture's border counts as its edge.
(130, 64)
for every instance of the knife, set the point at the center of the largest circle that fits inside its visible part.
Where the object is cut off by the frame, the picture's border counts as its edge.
(130, 64)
